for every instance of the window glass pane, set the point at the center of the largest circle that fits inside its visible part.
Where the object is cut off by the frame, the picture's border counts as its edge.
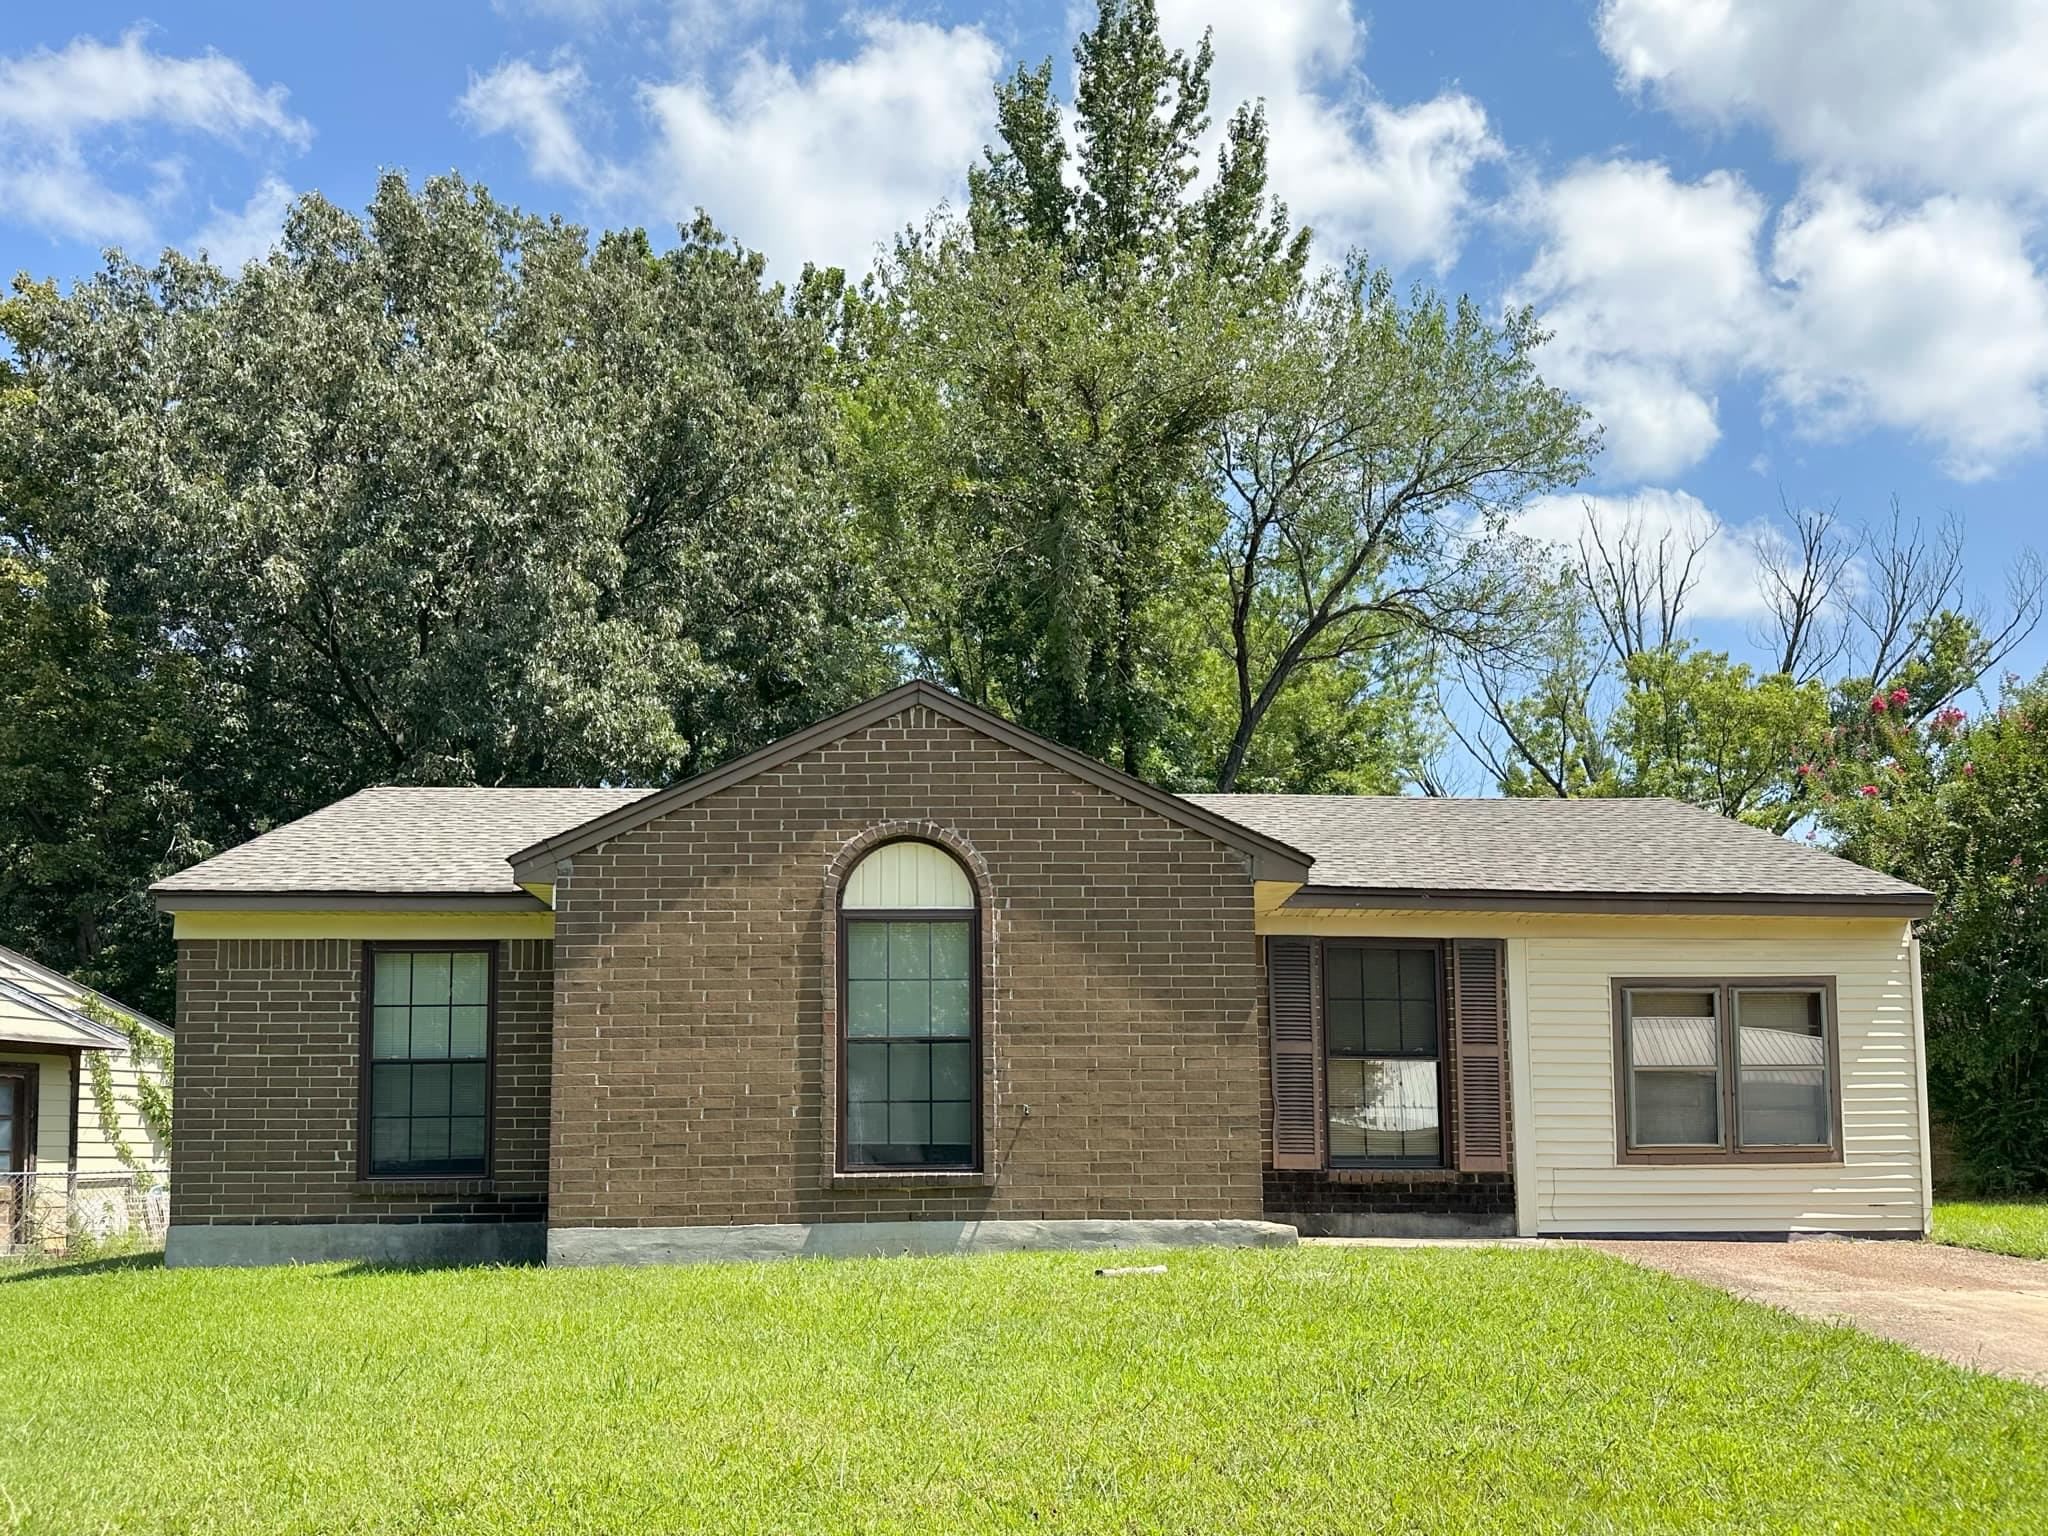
(430, 977)
(1677, 1109)
(1344, 1018)
(867, 1007)
(429, 1031)
(469, 979)
(910, 1007)
(389, 1142)
(466, 1089)
(430, 1090)
(466, 1138)
(953, 1130)
(1382, 1028)
(1382, 972)
(910, 949)
(1418, 975)
(910, 1125)
(391, 1031)
(953, 1071)
(1347, 1134)
(867, 1073)
(394, 977)
(1418, 1027)
(466, 1029)
(1781, 1094)
(949, 1007)
(429, 1140)
(867, 950)
(867, 1124)
(949, 950)
(1340, 972)
(391, 1090)
(1394, 1111)
(1673, 1029)
(910, 1072)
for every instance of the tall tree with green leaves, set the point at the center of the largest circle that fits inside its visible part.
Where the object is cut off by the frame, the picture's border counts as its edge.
(444, 494)
(1039, 381)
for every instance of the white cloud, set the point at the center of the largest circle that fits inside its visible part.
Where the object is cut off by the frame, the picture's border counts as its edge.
(59, 107)
(234, 239)
(1945, 95)
(1931, 320)
(534, 106)
(1396, 180)
(827, 165)
(1645, 327)
(823, 165)
(1725, 570)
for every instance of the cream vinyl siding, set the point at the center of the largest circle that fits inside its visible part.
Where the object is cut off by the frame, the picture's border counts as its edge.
(1561, 1032)
(95, 1149)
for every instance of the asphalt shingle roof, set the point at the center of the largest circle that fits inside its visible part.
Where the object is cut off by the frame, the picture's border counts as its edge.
(420, 841)
(398, 840)
(1648, 848)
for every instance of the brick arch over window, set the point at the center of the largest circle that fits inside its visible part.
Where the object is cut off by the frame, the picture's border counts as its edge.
(836, 874)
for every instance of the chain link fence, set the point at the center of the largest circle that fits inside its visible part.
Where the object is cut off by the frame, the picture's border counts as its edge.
(57, 1213)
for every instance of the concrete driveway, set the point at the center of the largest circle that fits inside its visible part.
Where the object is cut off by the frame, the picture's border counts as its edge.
(1981, 1310)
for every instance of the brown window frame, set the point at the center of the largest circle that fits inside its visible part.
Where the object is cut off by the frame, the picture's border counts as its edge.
(366, 985)
(972, 916)
(1731, 1149)
(28, 1127)
(1446, 1154)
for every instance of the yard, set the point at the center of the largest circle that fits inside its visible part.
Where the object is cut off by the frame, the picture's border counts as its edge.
(2018, 1227)
(1283, 1390)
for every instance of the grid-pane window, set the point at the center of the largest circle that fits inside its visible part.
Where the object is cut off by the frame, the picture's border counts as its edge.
(430, 1032)
(1383, 1031)
(910, 1057)
(1674, 1041)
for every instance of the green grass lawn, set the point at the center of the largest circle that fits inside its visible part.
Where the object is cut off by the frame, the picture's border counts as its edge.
(1999, 1226)
(1313, 1389)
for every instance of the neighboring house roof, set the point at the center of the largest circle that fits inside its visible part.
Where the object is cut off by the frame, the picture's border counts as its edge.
(41, 1006)
(1274, 857)
(1585, 855)
(393, 841)
(421, 847)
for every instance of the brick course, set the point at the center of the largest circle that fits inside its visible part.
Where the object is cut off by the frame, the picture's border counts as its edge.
(269, 1032)
(694, 998)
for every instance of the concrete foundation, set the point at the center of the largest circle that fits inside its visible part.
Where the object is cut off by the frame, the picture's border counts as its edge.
(362, 1242)
(1414, 1224)
(856, 1239)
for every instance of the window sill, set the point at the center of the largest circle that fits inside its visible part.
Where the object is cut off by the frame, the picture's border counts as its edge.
(1391, 1175)
(1823, 1157)
(399, 1186)
(910, 1178)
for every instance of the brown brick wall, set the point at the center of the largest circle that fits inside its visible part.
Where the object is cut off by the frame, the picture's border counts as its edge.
(695, 992)
(269, 1032)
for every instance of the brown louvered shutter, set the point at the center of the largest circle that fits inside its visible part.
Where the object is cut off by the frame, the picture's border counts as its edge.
(1297, 1053)
(1479, 1013)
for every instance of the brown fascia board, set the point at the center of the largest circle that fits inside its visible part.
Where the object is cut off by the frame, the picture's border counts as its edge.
(1271, 858)
(1908, 903)
(348, 901)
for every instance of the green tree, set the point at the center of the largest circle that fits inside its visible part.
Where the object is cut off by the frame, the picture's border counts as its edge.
(444, 494)
(1366, 477)
(1038, 383)
(1961, 808)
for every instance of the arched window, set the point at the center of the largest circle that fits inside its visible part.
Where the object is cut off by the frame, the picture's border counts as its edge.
(909, 1012)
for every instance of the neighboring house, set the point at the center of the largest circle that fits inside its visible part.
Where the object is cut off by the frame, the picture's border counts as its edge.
(61, 1169)
(916, 979)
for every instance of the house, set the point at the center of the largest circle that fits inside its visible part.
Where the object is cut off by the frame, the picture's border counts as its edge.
(79, 1152)
(916, 979)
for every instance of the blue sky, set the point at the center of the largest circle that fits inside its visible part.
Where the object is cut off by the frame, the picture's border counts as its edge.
(1787, 246)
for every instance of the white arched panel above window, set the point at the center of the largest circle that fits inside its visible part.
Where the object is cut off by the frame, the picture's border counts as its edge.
(908, 876)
